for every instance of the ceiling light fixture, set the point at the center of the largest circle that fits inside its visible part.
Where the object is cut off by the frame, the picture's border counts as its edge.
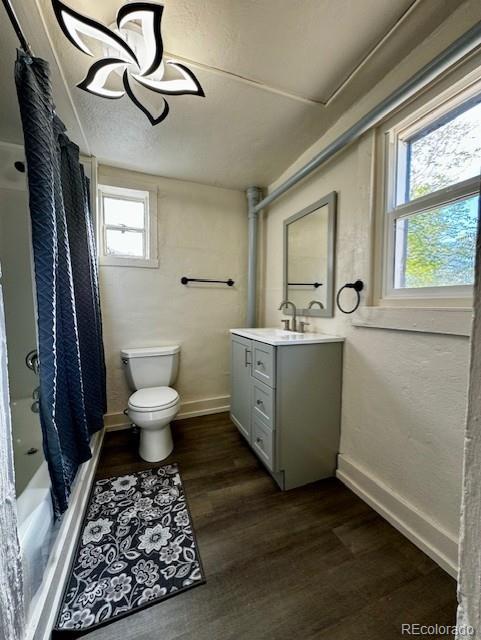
(130, 60)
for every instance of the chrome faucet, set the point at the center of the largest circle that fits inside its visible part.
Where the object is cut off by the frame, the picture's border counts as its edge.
(286, 303)
(313, 302)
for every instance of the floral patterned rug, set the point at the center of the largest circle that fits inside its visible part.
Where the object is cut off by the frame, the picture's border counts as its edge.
(137, 547)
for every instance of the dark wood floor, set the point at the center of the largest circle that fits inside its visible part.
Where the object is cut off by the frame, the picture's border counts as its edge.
(312, 563)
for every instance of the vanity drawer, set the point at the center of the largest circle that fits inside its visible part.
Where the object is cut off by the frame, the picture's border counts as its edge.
(263, 443)
(263, 403)
(264, 363)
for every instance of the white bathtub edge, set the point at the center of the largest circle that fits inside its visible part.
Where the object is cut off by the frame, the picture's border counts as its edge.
(42, 617)
(30, 499)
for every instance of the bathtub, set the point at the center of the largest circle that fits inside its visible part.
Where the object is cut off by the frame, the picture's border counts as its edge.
(36, 528)
(27, 438)
(36, 531)
(46, 546)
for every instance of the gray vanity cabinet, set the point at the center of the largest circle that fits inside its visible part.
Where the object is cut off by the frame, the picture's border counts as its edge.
(286, 402)
(264, 363)
(241, 363)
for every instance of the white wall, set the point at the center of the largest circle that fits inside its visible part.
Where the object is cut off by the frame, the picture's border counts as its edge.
(16, 271)
(404, 393)
(202, 233)
(17, 290)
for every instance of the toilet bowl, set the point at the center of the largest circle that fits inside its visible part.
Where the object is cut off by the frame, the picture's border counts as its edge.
(152, 410)
(154, 405)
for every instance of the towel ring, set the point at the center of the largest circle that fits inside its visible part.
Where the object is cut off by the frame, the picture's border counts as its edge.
(358, 286)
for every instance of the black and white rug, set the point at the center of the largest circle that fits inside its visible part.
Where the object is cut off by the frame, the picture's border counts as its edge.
(137, 547)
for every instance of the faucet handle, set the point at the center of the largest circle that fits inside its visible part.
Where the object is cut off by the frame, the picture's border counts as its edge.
(285, 322)
(302, 325)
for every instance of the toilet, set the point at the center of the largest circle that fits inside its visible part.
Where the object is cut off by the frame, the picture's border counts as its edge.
(154, 404)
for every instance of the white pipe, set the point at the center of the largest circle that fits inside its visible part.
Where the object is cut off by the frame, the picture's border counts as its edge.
(254, 194)
(452, 54)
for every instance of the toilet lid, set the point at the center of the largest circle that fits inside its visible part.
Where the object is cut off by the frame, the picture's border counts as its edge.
(153, 398)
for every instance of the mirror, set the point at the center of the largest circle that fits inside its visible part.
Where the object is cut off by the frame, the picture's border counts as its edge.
(309, 245)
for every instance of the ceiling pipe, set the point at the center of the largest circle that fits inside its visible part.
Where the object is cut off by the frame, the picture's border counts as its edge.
(452, 54)
(254, 195)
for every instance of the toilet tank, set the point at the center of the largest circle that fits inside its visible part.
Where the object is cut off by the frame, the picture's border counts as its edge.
(151, 366)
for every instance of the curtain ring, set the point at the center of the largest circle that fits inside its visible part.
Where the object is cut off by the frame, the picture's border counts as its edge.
(358, 286)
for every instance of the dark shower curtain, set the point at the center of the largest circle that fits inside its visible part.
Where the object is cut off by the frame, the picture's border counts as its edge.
(72, 371)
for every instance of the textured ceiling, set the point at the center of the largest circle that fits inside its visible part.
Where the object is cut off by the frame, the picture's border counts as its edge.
(276, 74)
(307, 47)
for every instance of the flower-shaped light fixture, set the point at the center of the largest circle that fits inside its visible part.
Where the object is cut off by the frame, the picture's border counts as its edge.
(130, 59)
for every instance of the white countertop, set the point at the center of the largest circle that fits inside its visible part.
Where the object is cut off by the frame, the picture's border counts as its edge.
(281, 337)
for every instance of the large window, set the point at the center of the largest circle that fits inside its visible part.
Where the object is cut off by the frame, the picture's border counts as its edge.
(128, 227)
(432, 200)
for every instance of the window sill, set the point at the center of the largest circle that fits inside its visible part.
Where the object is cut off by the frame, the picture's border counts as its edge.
(452, 321)
(151, 263)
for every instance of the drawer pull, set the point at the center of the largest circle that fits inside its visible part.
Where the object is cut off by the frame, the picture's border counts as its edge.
(259, 403)
(259, 440)
(260, 363)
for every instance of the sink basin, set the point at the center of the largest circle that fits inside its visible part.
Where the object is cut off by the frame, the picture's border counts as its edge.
(280, 333)
(278, 337)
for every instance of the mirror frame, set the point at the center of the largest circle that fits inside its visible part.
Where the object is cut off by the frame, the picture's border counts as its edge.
(331, 202)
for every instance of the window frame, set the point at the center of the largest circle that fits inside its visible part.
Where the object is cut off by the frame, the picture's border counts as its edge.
(396, 140)
(149, 230)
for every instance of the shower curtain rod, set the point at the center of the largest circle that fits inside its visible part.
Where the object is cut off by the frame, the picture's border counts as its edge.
(16, 26)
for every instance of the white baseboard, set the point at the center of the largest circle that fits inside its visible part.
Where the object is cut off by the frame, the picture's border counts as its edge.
(205, 407)
(191, 409)
(437, 543)
(120, 426)
(42, 619)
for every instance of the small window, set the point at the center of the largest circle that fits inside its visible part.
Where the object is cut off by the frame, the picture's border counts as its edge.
(128, 227)
(432, 202)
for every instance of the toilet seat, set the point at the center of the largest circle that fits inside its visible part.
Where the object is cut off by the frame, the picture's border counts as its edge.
(153, 399)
